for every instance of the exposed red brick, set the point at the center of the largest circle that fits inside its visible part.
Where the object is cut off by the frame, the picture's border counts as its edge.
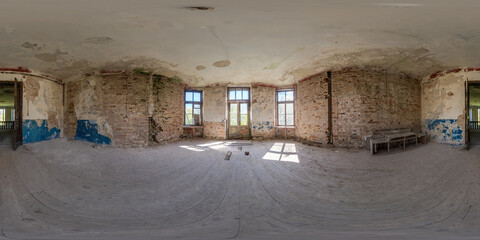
(435, 75)
(103, 71)
(264, 85)
(456, 70)
(19, 69)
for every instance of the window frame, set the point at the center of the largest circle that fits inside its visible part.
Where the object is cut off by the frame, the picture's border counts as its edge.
(239, 102)
(277, 103)
(185, 102)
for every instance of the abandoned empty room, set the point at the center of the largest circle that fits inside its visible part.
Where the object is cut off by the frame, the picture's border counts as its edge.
(239, 119)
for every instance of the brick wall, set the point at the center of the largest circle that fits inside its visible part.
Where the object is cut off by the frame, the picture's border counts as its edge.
(117, 107)
(167, 120)
(365, 101)
(362, 101)
(108, 109)
(311, 109)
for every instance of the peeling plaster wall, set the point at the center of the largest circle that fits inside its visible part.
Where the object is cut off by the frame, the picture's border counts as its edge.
(215, 112)
(263, 112)
(108, 109)
(42, 107)
(443, 105)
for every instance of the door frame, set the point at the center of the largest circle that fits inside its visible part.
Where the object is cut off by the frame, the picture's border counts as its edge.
(467, 114)
(248, 102)
(468, 83)
(18, 125)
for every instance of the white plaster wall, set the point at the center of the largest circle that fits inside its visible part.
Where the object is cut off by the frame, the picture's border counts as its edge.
(263, 104)
(443, 98)
(215, 104)
(44, 102)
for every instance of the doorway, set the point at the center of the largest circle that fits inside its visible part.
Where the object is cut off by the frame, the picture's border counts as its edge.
(11, 100)
(474, 113)
(7, 112)
(239, 113)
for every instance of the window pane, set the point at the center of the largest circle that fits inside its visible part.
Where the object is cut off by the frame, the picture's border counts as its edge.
(281, 96)
(243, 108)
(245, 94)
(290, 119)
(232, 95)
(289, 108)
(196, 111)
(239, 95)
(13, 114)
(2, 114)
(188, 96)
(289, 96)
(281, 120)
(197, 97)
(188, 119)
(188, 114)
(281, 109)
(244, 120)
(188, 108)
(233, 114)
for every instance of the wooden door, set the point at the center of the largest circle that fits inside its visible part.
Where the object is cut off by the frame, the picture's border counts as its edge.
(17, 126)
(239, 113)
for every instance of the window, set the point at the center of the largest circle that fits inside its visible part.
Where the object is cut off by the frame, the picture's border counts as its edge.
(239, 94)
(2, 115)
(285, 108)
(238, 98)
(13, 115)
(193, 108)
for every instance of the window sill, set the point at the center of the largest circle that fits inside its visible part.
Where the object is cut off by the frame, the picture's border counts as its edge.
(284, 126)
(186, 126)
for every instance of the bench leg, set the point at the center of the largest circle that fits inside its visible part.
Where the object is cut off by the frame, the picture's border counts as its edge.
(388, 146)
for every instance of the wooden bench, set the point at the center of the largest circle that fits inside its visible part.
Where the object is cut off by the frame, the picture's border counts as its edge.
(392, 136)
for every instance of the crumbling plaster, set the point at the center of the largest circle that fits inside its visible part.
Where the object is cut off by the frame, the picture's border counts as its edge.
(443, 104)
(274, 42)
(263, 111)
(42, 106)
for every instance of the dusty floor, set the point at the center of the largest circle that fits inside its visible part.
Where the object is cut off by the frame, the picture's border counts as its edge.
(281, 190)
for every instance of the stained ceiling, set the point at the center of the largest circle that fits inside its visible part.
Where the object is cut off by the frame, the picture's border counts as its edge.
(238, 41)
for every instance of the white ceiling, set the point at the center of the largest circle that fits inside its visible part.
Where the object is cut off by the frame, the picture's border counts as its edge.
(270, 41)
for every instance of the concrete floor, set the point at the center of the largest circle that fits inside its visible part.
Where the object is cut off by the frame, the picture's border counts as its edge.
(281, 190)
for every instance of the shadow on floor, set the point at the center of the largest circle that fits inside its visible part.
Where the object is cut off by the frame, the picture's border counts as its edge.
(475, 137)
(6, 137)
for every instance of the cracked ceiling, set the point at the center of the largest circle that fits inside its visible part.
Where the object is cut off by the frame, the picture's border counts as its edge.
(275, 42)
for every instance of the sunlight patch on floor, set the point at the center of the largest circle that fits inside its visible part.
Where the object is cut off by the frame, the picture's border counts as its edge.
(284, 152)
